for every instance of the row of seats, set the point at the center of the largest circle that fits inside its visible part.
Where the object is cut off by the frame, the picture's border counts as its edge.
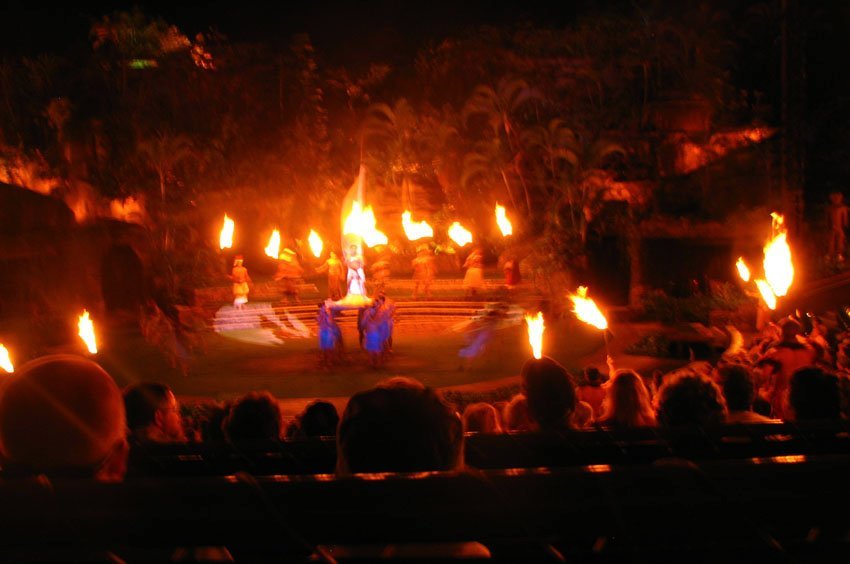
(721, 509)
(512, 450)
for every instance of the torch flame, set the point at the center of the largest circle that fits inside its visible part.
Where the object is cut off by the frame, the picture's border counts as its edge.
(362, 222)
(415, 229)
(273, 248)
(503, 221)
(5, 361)
(316, 243)
(459, 234)
(586, 310)
(778, 266)
(535, 333)
(225, 240)
(86, 332)
(766, 293)
(743, 269)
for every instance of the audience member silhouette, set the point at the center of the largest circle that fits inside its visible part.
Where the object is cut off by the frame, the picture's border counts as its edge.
(398, 426)
(739, 392)
(550, 392)
(481, 418)
(690, 399)
(153, 414)
(63, 415)
(627, 403)
(253, 417)
(814, 394)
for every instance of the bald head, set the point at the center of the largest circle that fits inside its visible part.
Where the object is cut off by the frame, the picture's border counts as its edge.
(60, 412)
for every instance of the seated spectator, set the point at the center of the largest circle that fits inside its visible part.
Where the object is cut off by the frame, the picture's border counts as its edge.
(627, 403)
(319, 419)
(582, 416)
(481, 418)
(739, 393)
(688, 398)
(515, 415)
(792, 354)
(591, 390)
(153, 414)
(814, 394)
(398, 426)
(253, 417)
(550, 392)
(63, 415)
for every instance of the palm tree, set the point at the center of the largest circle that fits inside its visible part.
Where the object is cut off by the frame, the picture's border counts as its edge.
(502, 106)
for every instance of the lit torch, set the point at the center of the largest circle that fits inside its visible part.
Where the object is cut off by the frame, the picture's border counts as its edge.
(273, 248)
(766, 293)
(535, 333)
(415, 229)
(225, 240)
(586, 310)
(316, 244)
(504, 223)
(778, 266)
(743, 269)
(5, 361)
(86, 332)
(361, 222)
(459, 234)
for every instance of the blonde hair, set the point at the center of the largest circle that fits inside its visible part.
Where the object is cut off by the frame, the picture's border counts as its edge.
(627, 402)
(481, 418)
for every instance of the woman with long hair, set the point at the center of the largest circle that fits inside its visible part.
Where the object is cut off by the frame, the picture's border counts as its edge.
(627, 402)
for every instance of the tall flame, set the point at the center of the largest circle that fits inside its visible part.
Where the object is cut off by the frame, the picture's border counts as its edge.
(225, 240)
(586, 310)
(415, 229)
(504, 223)
(459, 234)
(362, 222)
(273, 248)
(766, 293)
(86, 332)
(535, 333)
(743, 269)
(5, 361)
(778, 265)
(316, 244)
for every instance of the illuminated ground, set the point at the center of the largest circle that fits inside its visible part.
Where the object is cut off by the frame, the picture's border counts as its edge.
(428, 353)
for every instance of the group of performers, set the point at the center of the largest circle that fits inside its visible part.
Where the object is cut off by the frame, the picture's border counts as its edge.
(375, 327)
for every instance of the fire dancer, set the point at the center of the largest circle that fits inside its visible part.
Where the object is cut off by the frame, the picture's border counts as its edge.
(474, 278)
(290, 271)
(837, 216)
(327, 335)
(374, 334)
(387, 315)
(336, 275)
(356, 277)
(241, 279)
(424, 271)
(381, 270)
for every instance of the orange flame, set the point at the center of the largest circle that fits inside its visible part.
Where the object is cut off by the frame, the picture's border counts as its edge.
(86, 332)
(5, 361)
(273, 248)
(743, 269)
(766, 293)
(535, 333)
(225, 240)
(459, 234)
(505, 225)
(415, 229)
(586, 310)
(316, 244)
(361, 222)
(778, 265)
